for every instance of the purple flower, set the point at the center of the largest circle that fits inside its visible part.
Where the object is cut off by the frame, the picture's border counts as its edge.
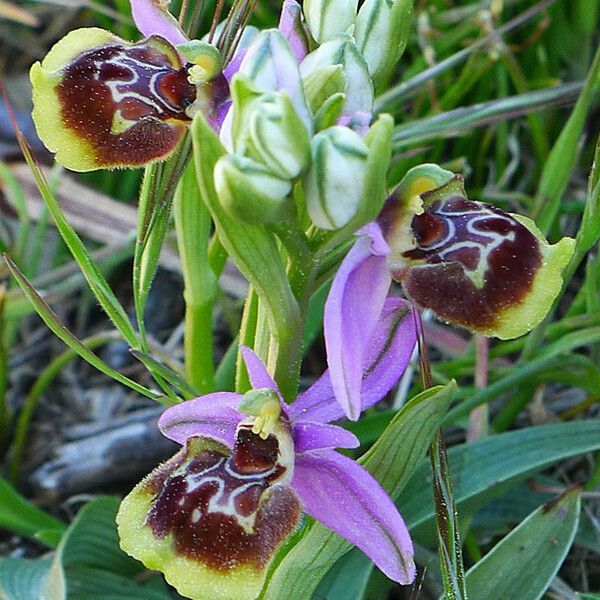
(469, 262)
(213, 516)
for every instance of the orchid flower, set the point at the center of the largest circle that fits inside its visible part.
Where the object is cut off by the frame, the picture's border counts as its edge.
(103, 102)
(212, 517)
(469, 262)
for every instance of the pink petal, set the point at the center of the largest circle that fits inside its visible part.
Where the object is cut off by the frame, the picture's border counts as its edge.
(290, 24)
(348, 500)
(316, 436)
(390, 349)
(259, 376)
(212, 415)
(151, 19)
(352, 310)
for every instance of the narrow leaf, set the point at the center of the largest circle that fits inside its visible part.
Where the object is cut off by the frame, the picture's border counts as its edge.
(456, 122)
(524, 563)
(95, 279)
(52, 321)
(21, 517)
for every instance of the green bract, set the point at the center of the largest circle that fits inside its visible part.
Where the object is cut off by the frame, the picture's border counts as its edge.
(250, 191)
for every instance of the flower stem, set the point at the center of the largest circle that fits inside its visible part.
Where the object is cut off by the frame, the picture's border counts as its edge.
(449, 544)
(193, 226)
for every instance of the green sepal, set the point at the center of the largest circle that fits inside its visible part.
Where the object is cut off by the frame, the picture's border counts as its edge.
(323, 83)
(329, 114)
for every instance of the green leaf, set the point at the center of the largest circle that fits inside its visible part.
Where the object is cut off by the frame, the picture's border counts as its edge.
(485, 469)
(23, 579)
(460, 120)
(501, 514)
(589, 230)
(348, 579)
(94, 277)
(391, 460)
(524, 563)
(89, 564)
(19, 516)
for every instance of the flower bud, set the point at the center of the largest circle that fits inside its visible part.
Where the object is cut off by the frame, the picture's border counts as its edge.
(328, 18)
(382, 28)
(278, 136)
(316, 67)
(293, 28)
(267, 128)
(335, 183)
(272, 67)
(249, 191)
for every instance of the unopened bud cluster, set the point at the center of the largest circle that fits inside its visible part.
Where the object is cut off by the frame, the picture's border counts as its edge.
(302, 120)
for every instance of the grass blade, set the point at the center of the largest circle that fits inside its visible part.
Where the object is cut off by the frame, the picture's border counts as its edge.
(95, 279)
(53, 322)
(563, 157)
(460, 120)
(407, 89)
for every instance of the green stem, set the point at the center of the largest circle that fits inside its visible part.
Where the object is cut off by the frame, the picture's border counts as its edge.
(247, 335)
(285, 353)
(449, 544)
(193, 225)
(4, 371)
